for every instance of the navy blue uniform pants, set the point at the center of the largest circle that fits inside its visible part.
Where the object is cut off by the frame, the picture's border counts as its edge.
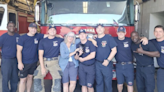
(145, 79)
(160, 80)
(125, 73)
(104, 77)
(9, 72)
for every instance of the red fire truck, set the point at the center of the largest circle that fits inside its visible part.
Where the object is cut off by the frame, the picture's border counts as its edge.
(73, 15)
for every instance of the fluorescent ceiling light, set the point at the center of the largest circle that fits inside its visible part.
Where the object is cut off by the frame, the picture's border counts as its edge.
(107, 4)
(85, 7)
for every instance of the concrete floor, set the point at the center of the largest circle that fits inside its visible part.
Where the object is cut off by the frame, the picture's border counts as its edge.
(48, 83)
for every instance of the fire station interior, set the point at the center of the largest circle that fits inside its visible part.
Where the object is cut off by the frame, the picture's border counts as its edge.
(57, 8)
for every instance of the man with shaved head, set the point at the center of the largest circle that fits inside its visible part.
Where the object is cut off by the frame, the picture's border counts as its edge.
(145, 65)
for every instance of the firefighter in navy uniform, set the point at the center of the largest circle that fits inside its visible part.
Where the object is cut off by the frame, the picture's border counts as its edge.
(86, 57)
(27, 55)
(105, 51)
(159, 44)
(124, 66)
(49, 49)
(9, 69)
(145, 65)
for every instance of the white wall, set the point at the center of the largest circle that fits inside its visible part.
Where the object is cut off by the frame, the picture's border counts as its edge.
(148, 8)
(155, 19)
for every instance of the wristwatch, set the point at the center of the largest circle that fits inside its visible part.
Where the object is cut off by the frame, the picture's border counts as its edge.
(108, 60)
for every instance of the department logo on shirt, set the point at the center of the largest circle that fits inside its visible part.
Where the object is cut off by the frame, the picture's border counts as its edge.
(162, 49)
(35, 41)
(87, 50)
(55, 43)
(140, 54)
(17, 38)
(126, 44)
(103, 43)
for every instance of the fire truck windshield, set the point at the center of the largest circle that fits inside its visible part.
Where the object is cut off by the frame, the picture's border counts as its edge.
(87, 12)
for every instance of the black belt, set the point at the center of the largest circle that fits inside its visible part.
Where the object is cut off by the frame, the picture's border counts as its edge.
(147, 66)
(123, 63)
(9, 58)
(99, 61)
(88, 65)
(50, 59)
(161, 68)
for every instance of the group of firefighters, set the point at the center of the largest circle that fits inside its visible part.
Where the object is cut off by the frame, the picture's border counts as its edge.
(89, 58)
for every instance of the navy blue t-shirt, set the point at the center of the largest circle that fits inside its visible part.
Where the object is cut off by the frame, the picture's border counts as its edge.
(142, 59)
(88, 48)
(105, 44)
(8, 45)
(51, 47)
(30, 47)
(160, 48)
(124, 52)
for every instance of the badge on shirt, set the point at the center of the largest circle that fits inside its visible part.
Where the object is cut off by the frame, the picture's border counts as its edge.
(55, 43)
(87, 50)
(162, 49)
(140, 54)
(17, 38)
(103, 43)
(35, 41)
(126, 44)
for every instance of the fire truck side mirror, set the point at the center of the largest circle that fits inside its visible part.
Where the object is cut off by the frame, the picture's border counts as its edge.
(137, 12)
(36, 13)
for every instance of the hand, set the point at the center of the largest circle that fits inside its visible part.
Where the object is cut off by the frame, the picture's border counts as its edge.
(144, 41)
(76, 57)
(44, 71)
(20, 66)
(94, 36)
(77, 49)
(80, 52)
(81, 59)
(94, 43)
(59, 36)
(139, 50)
(105, 63)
